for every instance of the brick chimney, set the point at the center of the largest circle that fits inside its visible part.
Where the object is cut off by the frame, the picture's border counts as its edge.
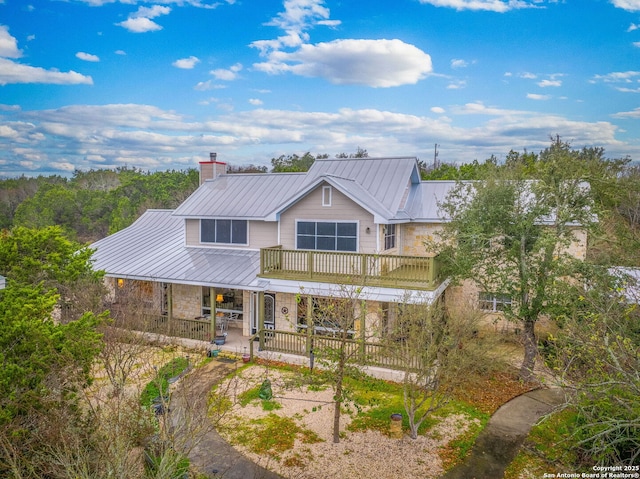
(212, 169)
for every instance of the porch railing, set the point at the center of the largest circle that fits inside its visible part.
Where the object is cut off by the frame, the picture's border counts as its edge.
(381, 354)
(180, 328)
(411, 272)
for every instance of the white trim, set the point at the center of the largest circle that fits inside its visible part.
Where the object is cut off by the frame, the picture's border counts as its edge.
(326, 196)
(386, 295)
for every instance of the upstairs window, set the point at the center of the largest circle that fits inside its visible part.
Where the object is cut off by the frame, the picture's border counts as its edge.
(326, 196)
(223, 231)
(327, 236)
(389, 236)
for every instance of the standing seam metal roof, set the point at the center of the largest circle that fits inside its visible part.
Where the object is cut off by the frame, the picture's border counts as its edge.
(153, 247)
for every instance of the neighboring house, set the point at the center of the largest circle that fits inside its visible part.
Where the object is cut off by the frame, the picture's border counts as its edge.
(264, 250)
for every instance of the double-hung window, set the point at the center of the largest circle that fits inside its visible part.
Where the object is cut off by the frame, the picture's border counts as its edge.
(223, 231)
(327, 236)
(389, 236)
(493, 302)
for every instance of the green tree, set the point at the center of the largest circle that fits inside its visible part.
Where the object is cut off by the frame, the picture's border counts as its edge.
(596, 351)
(292, 163)
(512, 235)
(30, 257)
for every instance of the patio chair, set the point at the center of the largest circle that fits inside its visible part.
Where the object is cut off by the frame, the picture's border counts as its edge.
(222, 324)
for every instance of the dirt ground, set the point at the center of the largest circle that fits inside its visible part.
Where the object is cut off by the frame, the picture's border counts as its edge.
(358, 455)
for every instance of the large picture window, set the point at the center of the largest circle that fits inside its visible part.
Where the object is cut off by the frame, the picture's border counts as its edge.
(223, 231)
(327, 236)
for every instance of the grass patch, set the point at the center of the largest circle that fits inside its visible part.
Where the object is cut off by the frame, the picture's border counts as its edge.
(273, 435)
(458, 449)
(159, 386)
(253, 394)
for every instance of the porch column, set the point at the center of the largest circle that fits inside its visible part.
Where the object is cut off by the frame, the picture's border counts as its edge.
(309, 319)
(212, 300)
(363, 329)
(169, 309)
(261, 319)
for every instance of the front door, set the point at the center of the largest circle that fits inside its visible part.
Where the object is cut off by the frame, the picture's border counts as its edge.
(269, 311)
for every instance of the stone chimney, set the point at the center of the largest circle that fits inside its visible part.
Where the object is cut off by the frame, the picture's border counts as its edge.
(212, 169)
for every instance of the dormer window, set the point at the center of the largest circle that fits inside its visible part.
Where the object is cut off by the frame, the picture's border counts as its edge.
(326, 196)
(223, 231)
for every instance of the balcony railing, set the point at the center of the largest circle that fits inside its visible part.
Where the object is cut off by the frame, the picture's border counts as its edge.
(409, 272)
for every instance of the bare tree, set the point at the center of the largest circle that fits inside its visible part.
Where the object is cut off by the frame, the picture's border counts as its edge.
(438, 352)
(337, 345)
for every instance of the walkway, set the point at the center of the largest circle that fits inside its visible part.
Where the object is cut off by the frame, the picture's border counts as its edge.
(499, 442)
(208, 451)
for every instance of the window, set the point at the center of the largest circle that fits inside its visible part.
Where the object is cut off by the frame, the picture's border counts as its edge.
(223, 231)
(326, 196)
(329, 315)
(389, 236)
(494, 302)
(327, 236)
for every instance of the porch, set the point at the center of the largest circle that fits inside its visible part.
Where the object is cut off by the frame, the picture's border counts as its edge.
(380, 354)
(391, 271)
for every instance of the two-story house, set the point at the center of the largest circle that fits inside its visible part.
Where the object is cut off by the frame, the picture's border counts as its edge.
(261, 251)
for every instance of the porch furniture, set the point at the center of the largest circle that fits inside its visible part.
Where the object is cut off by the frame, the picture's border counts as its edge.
(233, 316)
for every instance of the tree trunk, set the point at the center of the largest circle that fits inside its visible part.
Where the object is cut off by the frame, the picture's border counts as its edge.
(530, 351)
(336, 412)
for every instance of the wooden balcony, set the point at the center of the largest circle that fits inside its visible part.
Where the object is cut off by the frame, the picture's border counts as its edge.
(391, 271)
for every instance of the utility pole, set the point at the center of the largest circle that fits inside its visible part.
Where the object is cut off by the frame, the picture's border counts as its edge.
(435, 156)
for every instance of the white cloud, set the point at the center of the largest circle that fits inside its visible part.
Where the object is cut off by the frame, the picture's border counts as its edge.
(535, 96)
(629, 5)
(528, 76)
(549, 83)
(298, 16)
(12, 72)
(186, 63)
(146, 136)
(456, 85)
(636, 44)
(140, 21)
(8, 44)
(87, 57)
(458, 63)
(375, 63)
(255, 101)
(499, 6)
(120, 52)
(617, 77)
(438, 110)
(628, 90)
(628, 114)
(227, 74)
(632, 27)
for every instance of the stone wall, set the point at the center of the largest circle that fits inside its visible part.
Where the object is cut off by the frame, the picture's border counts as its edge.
(414, 235)
(187, 301)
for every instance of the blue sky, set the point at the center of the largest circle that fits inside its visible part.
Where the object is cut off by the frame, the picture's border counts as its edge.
(158, 85)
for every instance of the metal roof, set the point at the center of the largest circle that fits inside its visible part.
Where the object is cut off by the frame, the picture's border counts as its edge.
(385, 179)
(153, 248)
(422, 204)
(377, 184)
(240, 196)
